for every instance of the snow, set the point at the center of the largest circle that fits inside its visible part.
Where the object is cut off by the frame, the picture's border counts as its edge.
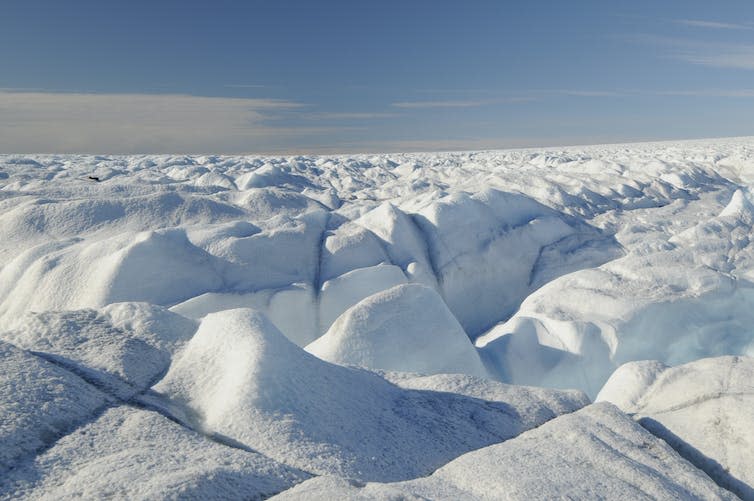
(240, 377)
(597, 452)
(704, 409)
(379, 318)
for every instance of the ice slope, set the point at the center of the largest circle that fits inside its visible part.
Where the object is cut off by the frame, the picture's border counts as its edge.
(704, 409)
(595, 453)
(241, 378)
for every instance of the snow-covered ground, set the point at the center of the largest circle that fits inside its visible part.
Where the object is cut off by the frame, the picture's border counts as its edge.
(374, 326)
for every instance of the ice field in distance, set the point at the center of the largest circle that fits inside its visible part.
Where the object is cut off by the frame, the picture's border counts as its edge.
(514, 324)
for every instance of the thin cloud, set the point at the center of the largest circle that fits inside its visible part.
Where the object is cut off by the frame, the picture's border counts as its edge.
(718, 55)
(349, 115)
(716, 25)
(733, 93)
(46, 122)
(417, 105)
(593, 93)
(244, 86)
(740, 57)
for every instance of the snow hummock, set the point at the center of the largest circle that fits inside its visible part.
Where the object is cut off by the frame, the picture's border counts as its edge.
(404, 328)
(240, 377)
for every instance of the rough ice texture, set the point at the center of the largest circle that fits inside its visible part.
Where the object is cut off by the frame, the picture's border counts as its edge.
(595, 453)
(553, 267)
(39, 402)
(704, 409)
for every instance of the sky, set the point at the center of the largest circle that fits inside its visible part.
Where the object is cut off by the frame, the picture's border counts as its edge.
(289, 77)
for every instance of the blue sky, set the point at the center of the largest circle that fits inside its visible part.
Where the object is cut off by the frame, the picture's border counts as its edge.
(346, 76)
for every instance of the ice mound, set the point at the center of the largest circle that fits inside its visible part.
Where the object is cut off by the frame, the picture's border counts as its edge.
(402, 240)
(535, 405)
(243, 379)
(287, 252)
(124, 361)
(39, 402)
(264, 203)
(704, 409)
(348, 248)
(405, 328)
(135, 454)
(597, 452)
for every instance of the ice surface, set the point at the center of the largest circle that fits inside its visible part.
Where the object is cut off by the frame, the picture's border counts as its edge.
(704, 409)
(553, 267)
(242, 378)
(595, 453)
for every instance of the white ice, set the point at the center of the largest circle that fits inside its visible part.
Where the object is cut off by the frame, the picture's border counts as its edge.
(380, 318)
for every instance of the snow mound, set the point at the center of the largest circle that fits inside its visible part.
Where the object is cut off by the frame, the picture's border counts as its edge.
(134, 454)
(405, 328)
(240, 377)
(597, 452)
(39, 402)
(704, 409)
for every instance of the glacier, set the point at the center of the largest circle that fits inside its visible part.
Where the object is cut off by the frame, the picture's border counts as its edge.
(510, 324)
